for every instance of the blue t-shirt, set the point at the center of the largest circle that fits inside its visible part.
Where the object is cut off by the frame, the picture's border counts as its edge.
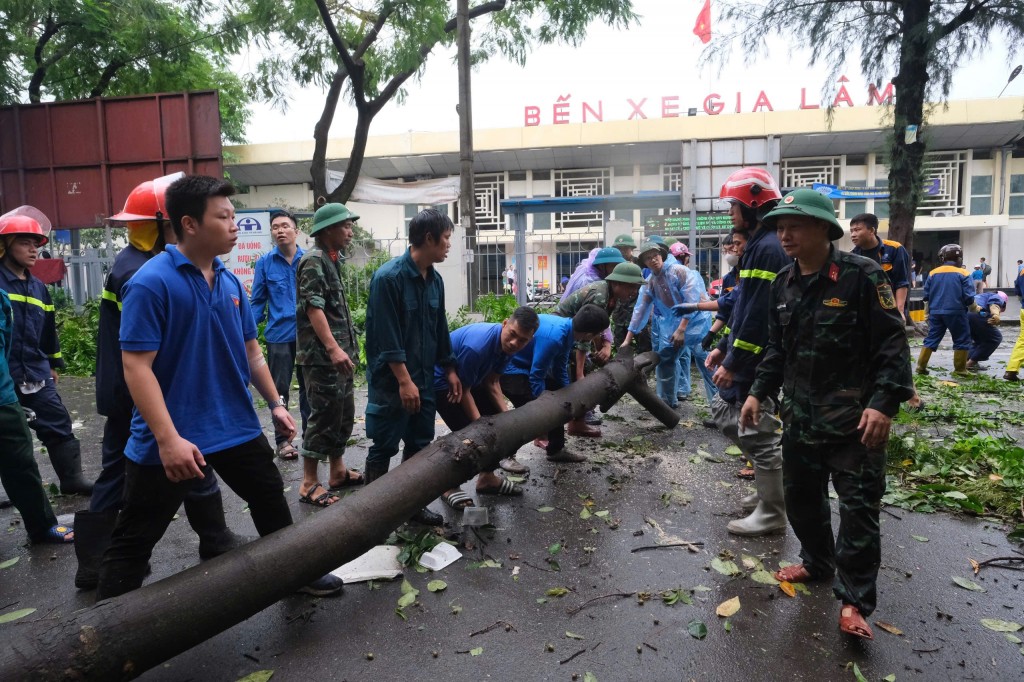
(199, 336)
(477, 349)
(977, 275)
(547, 354)
(273, 295)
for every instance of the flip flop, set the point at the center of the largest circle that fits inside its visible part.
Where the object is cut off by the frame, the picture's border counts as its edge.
(794, 574)
(57, 535)
(324, 499)
(287, 451)
(349, 482)
(457, 500)
(507, 488)
(852, 623)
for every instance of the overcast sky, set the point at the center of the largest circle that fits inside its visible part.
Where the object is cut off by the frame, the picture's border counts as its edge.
(654, 60)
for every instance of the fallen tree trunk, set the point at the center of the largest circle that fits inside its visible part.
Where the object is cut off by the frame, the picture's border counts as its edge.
(121, 638)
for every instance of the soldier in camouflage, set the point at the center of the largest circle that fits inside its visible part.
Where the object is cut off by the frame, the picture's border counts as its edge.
(326, 352)
(838, 351)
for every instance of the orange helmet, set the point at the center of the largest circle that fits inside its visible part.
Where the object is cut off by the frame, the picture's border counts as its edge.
(146, 201)
(752, 187)
(25, 220)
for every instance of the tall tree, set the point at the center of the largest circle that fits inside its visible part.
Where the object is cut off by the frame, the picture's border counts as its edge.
(917, 43)
(71, 49)
(371, 49)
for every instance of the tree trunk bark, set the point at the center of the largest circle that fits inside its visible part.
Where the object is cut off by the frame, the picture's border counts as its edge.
(318, 165)
(123, 637)
(342, 192)
(906, 163)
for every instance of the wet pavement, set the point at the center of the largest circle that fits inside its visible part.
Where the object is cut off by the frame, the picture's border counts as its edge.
(657, 486)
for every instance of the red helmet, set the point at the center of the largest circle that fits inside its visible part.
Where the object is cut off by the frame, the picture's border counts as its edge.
(146, 201)
(25, 220)
(751, 187)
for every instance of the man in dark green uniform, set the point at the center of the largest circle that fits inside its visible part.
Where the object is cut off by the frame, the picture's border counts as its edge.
(326, 351)
(838, 351)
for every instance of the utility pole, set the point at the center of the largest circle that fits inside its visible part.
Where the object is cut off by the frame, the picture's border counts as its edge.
(467, 195)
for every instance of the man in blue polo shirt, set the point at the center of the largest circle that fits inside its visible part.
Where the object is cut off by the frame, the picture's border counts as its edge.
(482, 352)
(406, 336)
(190, 351)
(544, 364)
(273, 299)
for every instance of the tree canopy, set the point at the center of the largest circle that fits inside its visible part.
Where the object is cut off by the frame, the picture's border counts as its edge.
(918, 44)
(370, 49)
(72, 49)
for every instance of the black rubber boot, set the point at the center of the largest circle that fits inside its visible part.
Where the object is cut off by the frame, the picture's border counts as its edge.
(206, 516)
(66, 458)
(92, 537)
(372, 473)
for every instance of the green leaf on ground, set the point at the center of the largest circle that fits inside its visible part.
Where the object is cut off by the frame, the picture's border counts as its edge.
(858, 675)
(697, 629)
(801, 588)
(673, 597)
(727, 626)
(601, 514)
(15, 615)
(557, 592)
(545, 510)
(968, 584)
(1012, 639)
(889, 678)
(585, 514)
(725, 567)
(258, 676)
(920, 538)
(489, 563)
(477, 651)
(733, 450)
(437, 586)
(1001, 625)
(573, 635)
(589, 677)
(555, 548)
(9, 562)
(764, 577)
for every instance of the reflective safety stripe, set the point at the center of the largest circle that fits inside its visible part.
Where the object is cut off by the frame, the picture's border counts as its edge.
(108, 295)
(31, 301)
(758, 274)
(746, 345)
(56, 356)
(726, 330)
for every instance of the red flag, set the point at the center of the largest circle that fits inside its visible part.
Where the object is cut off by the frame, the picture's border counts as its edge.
(702, 29)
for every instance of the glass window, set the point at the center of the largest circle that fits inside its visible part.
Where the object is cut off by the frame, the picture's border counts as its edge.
(855, 206)
(882, 205)
(981, 194)
(1017, 194)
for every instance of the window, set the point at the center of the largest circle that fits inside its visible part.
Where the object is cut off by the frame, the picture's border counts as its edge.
(981, 194)
(541, 221)
(882, 205)
(856, 206)
(490, 265)
(581, 183)
(568, 255)
(1017, 194)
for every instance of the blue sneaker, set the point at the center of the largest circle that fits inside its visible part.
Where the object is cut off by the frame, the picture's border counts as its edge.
(326, 586)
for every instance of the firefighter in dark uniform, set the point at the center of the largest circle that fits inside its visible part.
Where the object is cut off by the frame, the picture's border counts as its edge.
(838, 351)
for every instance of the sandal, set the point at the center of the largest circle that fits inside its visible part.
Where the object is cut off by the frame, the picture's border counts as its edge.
(350, 481)
(507, 488)
(794, 574)
(746, 474)
(57, 535)
(287, 451)
(324, 499)
(852, 623)
(457, 500)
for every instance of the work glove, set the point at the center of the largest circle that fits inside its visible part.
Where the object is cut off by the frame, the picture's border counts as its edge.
(684, 308)
(707, 341)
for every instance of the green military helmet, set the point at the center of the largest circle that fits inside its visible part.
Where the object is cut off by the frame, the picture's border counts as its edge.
(670, 241)
(650, 245)
(628, 273)
(331, 214)
(807, 202)
(608, 254)
(624, 240)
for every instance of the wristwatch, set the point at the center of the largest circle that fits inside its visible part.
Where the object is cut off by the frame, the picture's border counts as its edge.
(274, 404)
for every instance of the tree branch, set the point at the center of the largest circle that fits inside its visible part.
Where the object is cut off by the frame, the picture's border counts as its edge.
(965, 16)
(104, 81)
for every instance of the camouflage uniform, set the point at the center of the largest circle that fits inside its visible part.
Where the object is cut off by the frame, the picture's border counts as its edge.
(598, 293)
(836, 347)
(329, 391)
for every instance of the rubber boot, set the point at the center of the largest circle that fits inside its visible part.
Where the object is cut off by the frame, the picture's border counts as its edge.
(206, 516)
(749, 503)
(770, 514)
(960, 363)
(372, 473)
(922, 360)
(66, 458)
(92, 537)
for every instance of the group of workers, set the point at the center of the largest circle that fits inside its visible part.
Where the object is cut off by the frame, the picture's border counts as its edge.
(804, 363)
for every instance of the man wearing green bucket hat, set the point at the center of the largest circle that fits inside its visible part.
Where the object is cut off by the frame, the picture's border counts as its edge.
(326, 352)
(838, 351)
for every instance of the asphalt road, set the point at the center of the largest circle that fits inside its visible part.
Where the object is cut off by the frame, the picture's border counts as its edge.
(657, 486)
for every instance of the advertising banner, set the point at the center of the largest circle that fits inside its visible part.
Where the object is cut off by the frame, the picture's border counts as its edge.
(253, 241)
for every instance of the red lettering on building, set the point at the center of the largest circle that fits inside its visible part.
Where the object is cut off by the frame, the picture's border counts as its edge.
(885, 97)
(531, 116)
(670, 107)
(762, 101)
(637, 112)
(842, 96)
(560, 110)
(738, 102)
(713, 104)
(803, 100)
(598, 115)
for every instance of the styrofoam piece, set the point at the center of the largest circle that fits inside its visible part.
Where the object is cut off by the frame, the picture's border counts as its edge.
(380, 563)
(474, 516)
(442, 555)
